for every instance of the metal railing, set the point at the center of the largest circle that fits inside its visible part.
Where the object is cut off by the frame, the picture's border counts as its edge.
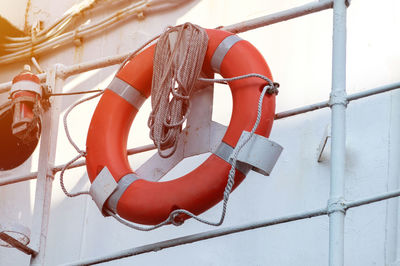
(336, 206)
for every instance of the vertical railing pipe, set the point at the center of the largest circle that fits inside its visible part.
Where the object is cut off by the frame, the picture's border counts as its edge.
(338, 104)
(45, 174)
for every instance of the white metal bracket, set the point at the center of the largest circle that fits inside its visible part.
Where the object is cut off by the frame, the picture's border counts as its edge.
(260, 153)
(102, 188)
(324, 142)
(203, 135)
(16, 236)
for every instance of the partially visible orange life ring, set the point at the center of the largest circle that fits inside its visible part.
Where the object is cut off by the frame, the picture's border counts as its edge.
(150, 203)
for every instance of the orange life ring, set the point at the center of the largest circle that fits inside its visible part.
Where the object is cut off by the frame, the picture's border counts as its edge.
(150, 203)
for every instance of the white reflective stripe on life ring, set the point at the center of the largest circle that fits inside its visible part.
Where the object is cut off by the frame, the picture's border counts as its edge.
(222, 50)
(126, 91)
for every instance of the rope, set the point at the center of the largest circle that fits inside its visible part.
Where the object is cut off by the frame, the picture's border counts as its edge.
(81, 152)
(65, 122)
(270, 88)
(72, 93)
(68, 194)
(178, 60)
(134, 53)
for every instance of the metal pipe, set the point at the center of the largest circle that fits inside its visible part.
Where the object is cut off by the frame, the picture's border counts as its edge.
(373, 199)
(338, 103)
(230, 230)
(45, 176)
(302, 110)
(95, 64)
(277, 17)
(80, 163)
(351, 97)
(200, 236)
(366, 93)
(235, 28)
(292, 13)
(15, 179)
(16, 244)
(284, 114)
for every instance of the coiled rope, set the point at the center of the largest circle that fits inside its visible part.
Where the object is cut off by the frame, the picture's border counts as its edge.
(178, 60)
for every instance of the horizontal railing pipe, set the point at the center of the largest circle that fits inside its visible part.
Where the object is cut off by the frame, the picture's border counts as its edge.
(8, 180)
(15, 179)
(372, 199)
(80, 163)
(281, 16)
(244, 26)
(351, 97)
(284, 114)
(377, 90)
(198, 237)
(230, 230)
(302, 110)
(235, 28)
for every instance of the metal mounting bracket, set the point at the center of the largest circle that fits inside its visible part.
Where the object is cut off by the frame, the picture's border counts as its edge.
(102, 188)
(16, 236)
(324, 142)
(203, 135)
(259, 152)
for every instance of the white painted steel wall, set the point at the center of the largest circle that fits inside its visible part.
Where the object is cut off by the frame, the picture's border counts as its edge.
(299, 54)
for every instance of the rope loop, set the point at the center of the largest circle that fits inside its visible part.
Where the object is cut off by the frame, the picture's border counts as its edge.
(63, 188)
(81, 153)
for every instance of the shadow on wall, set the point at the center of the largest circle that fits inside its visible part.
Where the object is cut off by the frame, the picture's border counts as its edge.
(7, 29)
(14, 151)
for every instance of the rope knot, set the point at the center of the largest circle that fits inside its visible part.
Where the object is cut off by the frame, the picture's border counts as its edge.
(177, 219)
(273, 89)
